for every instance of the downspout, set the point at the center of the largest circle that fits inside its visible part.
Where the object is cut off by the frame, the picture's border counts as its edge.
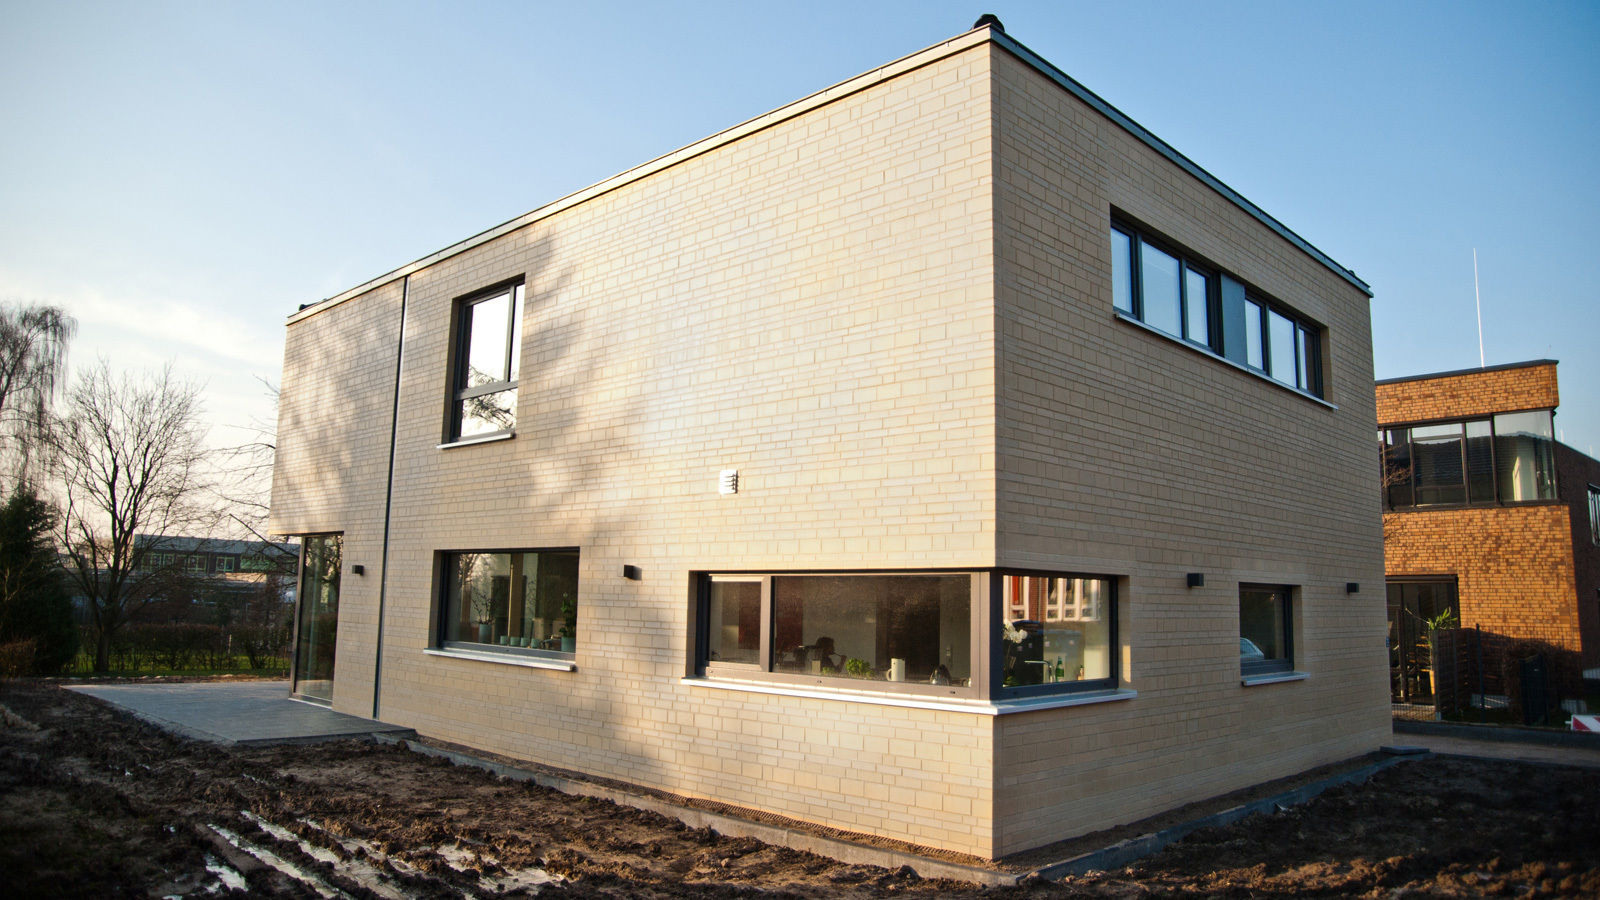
(388, 494)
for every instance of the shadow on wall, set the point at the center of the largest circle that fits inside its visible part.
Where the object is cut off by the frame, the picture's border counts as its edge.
(1489, 676)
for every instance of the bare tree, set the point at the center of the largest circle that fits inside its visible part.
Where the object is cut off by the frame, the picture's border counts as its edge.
(133, 464)
(33, 359)
(246, 473)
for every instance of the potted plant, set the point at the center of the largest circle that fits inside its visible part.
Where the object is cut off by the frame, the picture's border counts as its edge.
(569, 624)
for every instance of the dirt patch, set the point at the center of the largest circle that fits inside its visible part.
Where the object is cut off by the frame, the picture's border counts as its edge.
(96, 803)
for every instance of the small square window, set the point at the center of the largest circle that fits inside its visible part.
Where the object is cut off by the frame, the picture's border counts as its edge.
(488, 347)
(1265, 630)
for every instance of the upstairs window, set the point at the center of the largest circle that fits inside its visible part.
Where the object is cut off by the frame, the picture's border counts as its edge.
(488, 344)
(1508, 458)
(1594, 514)
(1179, 295)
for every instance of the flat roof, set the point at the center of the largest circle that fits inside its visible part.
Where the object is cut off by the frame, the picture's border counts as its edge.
(976, 37)
(1473, 371)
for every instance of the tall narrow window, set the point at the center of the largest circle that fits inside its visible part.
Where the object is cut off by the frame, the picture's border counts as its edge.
(1196, 306)
(1122, 270)
(488, 344)
(1594, 514)
(317, 616)
(1253, 330)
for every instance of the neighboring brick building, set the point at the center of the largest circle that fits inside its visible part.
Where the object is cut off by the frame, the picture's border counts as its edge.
(941, 456)
(1486, 514)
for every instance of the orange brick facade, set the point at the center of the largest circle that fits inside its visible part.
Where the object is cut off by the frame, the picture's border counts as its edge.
(1527, 570)
(1468, 394)
(1513, 565)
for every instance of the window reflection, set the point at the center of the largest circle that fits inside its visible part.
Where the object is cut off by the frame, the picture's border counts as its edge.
(1056, 630)
(900, 628)
(512, 600)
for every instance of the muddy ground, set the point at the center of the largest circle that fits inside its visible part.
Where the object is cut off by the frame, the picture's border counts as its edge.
(94, 803)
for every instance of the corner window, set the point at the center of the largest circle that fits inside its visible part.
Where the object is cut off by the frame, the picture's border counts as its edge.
(488, 344)
(516, 602)
(897, 632)
(1507, 458)
(1058, 633)
(1265, 632)
(1174, 293)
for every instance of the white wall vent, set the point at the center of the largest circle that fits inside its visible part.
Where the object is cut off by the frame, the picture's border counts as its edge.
(728, 483)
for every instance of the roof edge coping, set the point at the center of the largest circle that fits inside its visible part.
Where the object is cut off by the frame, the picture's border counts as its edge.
(1472, 371)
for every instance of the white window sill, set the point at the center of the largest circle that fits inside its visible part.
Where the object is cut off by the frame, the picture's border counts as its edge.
(1272, 678)
(974, 707)
(486, 439)
(505, 659)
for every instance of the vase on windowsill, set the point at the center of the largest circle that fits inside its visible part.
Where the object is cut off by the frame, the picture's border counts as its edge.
(485, 633)
(569, 644)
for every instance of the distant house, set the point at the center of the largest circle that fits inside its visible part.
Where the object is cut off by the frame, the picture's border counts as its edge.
(941, 456)
(206, 572)
(1487, 516)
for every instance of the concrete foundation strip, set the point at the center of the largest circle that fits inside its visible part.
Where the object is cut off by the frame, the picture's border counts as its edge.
(852, 853)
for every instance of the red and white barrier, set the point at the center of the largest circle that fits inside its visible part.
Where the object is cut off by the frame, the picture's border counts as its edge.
(1586, 723)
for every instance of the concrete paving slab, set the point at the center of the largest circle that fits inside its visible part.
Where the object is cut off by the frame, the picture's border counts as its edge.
(242, 713)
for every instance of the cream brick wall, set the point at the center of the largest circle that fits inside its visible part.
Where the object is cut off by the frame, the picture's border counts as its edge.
(335, 408)
(810, 304)
(1124, 453)
(822, 299)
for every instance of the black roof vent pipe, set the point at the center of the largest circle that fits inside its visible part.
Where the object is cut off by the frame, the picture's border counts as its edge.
(991, 20)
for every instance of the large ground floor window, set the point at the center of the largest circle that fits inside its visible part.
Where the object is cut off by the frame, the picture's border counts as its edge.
(316, 621)
(1266, 629)
(522, 601)
(915, 632)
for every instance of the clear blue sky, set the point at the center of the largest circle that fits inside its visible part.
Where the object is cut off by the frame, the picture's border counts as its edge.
(183, 176)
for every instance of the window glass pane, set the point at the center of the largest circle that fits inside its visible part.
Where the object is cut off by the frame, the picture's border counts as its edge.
(1397, 468)
(318, 616)
(1122, 271)
(1055, 630)
(1436, 452)
(1280, 352)
(1158, 274)
(1594, 514)
(734, 622)
(487, 413)
(1302, 355)
(1263, 614)
(1197, 306)
(1480, 462)
(512, 600)
(1252, 335)
(1523, 451)
(486, 330)
(912, 628)
(516, 333)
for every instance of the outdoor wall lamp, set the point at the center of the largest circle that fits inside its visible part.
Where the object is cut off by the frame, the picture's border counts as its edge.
(1351, 587)
(1197, 579)
(631, 573)
(358, 570)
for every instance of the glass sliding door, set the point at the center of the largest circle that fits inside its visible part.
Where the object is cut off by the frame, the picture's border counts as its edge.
(1413, 605)
(316, 617)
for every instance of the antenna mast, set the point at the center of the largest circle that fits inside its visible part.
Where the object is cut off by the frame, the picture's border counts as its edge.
(1478, 300)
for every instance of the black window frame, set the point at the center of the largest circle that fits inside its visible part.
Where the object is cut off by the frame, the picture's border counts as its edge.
(1594, 514)
(1112, 681)
(1390, 485)
(1256, 668)
(461, 354)
(1306, 368)
(442, 609)
(766, 670)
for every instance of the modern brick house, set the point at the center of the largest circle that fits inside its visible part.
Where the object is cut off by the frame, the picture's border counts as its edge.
(1486, 514)
(941, 456)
